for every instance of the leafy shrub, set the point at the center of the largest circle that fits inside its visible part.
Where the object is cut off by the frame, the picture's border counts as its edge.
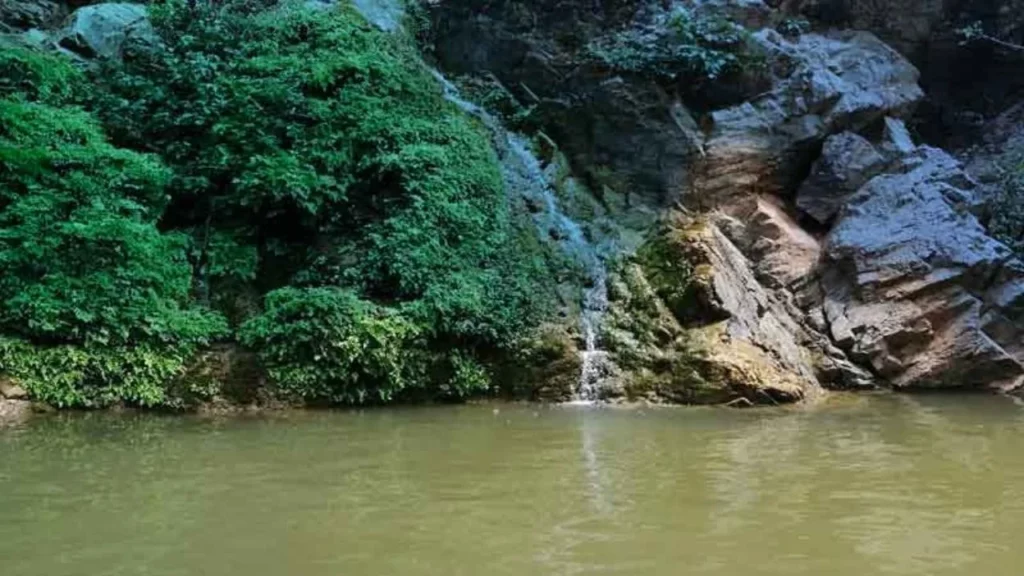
(328, 344)
(94, 298)
(92, 376)
(311, 150)
(684, 46)
(38, 77)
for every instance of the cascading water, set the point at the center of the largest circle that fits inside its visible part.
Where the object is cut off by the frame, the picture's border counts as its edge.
(525, 176)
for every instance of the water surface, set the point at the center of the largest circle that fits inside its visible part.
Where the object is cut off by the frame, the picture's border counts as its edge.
(930, 485)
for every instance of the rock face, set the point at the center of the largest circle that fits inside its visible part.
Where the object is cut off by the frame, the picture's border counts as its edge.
(30, 13)
(825, 84)
(963, 82)
(108, 30)
(627, 133)
(816, 244)
(847, 161)
(916, 288)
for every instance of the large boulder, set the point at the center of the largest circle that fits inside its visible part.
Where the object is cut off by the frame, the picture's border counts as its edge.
(964, 81)
(825, 84)
(915, 287)
(108, 31)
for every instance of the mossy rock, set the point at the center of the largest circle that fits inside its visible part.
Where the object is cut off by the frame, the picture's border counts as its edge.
(546, 367)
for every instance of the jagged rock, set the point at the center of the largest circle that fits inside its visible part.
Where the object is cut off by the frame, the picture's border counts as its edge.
(896, 138)
(754, 315)
(108, 31)
(847, 161)
(26, 14)
(826, 84)
(715, 333)
(780, 252)
(916, 288)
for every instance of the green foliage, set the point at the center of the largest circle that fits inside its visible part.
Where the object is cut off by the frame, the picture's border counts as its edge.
(1005, 206)
(38, 77)
(311, 150)
(91, 376)
(686, 46)
(94, 298)
(668, 268)
(328, 344)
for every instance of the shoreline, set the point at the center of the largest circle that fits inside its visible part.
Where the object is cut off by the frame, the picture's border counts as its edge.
(19, 411)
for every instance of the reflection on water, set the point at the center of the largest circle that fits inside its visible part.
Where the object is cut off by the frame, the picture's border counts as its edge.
(896, 485)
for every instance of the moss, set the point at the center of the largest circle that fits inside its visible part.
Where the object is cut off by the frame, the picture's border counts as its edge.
(545, 367)
(671, 343)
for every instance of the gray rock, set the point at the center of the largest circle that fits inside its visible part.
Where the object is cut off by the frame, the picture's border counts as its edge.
(25, 14)
(917, 289)
(897, 138)
(108, 31)
(847, 161)
(824, 85)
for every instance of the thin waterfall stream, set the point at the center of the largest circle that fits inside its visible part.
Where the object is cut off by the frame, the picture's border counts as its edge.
(524, 175)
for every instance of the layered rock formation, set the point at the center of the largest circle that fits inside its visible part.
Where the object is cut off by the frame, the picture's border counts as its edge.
(815, 239)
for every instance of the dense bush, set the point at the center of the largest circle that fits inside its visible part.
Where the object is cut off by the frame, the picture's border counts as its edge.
(94, 298)
(315, 159)
(327, 343)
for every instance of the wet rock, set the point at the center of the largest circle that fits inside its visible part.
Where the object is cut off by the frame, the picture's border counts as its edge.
(847, 161)
(915, 287)
(632, 138)
(108, 31)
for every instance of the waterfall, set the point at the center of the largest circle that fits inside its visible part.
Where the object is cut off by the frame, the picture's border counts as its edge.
(524, 175)
(384, 14)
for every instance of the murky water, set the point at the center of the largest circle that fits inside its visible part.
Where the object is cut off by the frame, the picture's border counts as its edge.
(928, 485)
